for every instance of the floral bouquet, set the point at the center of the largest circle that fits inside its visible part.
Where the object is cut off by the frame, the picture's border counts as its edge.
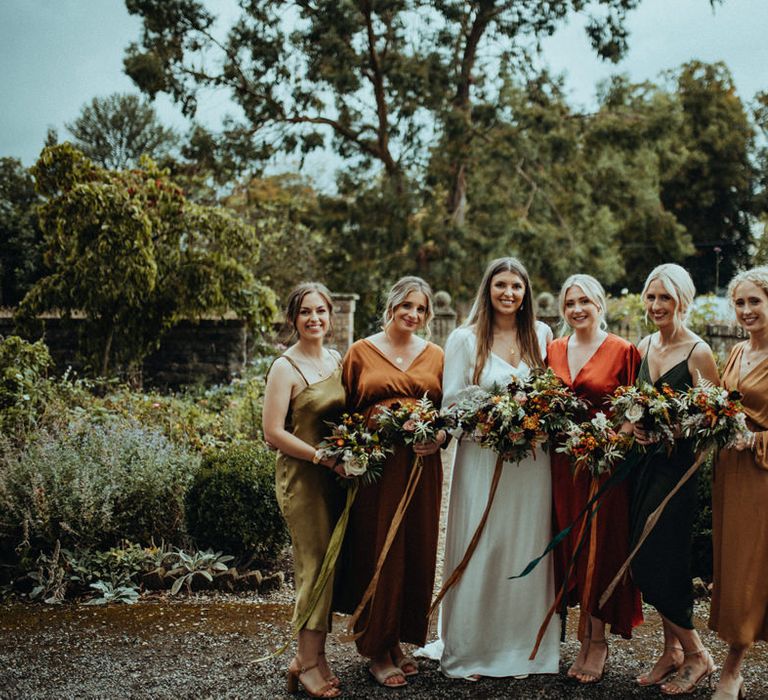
(359, 449)
(553, 401)
(711, 415)
(595, 445)
(412, 420)
(656, 411)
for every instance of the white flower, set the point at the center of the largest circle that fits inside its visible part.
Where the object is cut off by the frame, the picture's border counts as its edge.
(600, 421)
(634, 413)
(354, 465)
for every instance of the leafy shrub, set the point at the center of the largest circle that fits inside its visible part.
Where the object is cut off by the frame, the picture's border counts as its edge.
(231, 506)
(23, 386)
(92, 485)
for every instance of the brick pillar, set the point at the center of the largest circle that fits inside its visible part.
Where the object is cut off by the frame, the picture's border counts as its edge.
(343, 321)
(445, 318)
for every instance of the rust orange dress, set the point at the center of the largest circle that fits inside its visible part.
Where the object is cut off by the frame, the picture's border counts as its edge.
(398, 612)
(614, 363)
(739, 612)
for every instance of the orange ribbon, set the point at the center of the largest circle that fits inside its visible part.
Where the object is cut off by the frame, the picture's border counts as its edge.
(394, 526)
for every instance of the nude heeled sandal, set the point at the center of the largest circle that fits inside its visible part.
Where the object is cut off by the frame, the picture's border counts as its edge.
(294, 679)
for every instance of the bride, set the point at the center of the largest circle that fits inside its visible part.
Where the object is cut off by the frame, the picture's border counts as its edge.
(488, 623)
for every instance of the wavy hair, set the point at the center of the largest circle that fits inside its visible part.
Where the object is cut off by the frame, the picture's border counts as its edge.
(481, 317)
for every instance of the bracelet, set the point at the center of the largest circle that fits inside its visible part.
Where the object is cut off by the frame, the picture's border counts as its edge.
(317, 457)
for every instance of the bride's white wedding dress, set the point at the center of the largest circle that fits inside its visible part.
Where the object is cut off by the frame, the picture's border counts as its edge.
(488, 623)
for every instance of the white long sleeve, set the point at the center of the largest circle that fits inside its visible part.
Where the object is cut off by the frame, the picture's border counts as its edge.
(459, 363)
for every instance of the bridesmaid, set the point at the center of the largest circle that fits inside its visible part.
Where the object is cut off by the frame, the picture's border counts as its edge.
(386, 367)
(740, 492)
(676, 356)
(488, 624)
(303, 391)
(593, 363)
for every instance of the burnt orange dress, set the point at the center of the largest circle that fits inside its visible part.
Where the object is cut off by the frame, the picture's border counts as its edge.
(398, 612)
(614, 363)
(739, 612)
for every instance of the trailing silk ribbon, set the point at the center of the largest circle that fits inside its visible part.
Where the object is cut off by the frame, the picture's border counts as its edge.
(586, 515)
(394, 526)
(650, 523)
(459, 570)
(323, 576)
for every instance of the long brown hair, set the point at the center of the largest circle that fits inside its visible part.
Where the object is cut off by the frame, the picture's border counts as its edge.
(481, 317)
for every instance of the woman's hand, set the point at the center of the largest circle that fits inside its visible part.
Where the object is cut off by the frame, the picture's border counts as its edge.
(642, 437)
(422, 449)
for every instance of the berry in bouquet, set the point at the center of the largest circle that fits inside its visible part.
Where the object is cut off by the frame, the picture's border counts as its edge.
(360, 449)
(656, 411)
(412, 420)
(711, 415)
(595, 445)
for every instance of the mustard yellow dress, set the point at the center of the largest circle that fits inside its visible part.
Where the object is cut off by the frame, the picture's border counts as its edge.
(739, 612)
(308, 494)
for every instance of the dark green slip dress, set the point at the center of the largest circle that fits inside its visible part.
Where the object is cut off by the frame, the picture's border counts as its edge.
(662, 567)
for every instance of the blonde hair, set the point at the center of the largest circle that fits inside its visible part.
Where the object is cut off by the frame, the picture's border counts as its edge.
(481, 317)
(295, 299)
(757, 275)
(678, 284)
(398, 294)
(592, 289)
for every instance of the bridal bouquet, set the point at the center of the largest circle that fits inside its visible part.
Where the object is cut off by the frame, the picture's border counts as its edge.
(595, 445)
(711, 415)
(359, 449)
(656, 411)
(412, 420)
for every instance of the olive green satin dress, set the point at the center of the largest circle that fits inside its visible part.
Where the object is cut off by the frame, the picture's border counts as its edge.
(309, 497)
(662, 567)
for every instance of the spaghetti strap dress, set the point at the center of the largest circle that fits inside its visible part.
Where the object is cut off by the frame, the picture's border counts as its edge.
(662, 567)
(308, 495)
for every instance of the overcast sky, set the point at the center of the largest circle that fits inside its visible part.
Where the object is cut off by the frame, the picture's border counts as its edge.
(57, 55)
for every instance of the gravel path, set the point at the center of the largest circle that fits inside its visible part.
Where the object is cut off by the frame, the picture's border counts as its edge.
(205, 646)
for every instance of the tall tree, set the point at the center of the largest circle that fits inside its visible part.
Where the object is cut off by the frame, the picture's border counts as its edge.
(127, 248)
(20, 236)
(378, 78)
(115, 131)
(712, 191)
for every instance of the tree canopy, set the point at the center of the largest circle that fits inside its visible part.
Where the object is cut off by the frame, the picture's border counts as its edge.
(130, 251)
(116, 131)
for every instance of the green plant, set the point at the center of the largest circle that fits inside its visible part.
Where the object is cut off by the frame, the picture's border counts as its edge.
(23, 384)
(188, 566)
(231, 504)
(113, 594)
(49, 577)
(93, 485)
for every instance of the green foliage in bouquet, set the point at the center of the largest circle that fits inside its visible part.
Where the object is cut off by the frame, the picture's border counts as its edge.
(231, 505)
